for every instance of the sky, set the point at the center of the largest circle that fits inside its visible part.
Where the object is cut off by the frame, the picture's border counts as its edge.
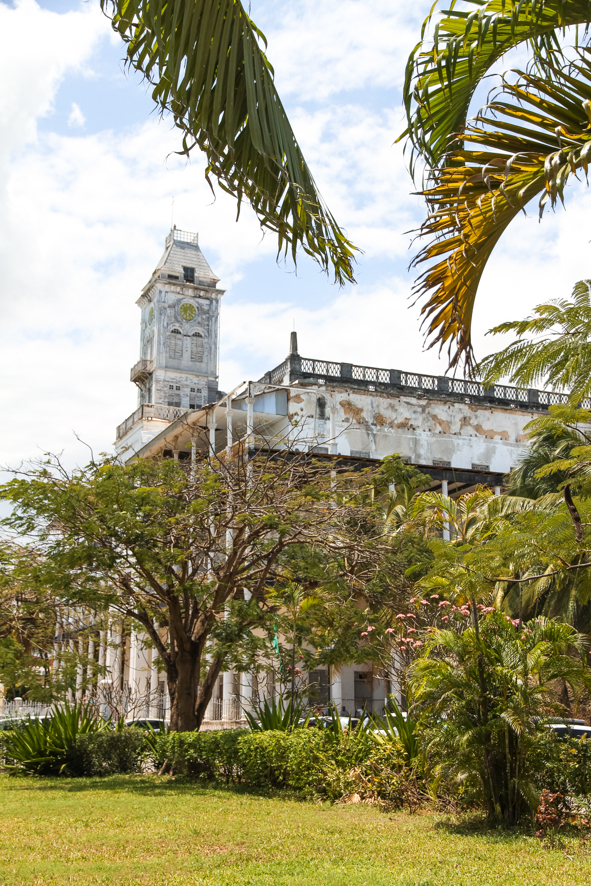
(90, 184)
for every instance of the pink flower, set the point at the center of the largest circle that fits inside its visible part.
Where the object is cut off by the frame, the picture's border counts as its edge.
(445, 618)
(413, 599)
(412, 630)
(435, 596)
(417, 643)
(400, 616)
(389, 630)
(445, 603)
(424, 602)
(364, 633)
(370, 628)
(410, 615)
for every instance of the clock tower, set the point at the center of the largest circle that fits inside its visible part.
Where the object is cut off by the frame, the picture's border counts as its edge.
(179, 341)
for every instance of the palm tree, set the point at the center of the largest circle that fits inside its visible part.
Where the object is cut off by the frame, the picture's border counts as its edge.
(205, 62)
(485, 691)
(553, 347)
(527, 141)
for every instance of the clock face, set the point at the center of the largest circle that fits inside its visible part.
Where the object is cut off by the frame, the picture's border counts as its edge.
(151, 316)
(188, 311)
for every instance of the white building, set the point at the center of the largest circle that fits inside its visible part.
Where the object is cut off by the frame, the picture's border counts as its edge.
(457, 431)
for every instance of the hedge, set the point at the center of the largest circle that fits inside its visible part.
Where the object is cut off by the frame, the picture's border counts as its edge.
(106, 753)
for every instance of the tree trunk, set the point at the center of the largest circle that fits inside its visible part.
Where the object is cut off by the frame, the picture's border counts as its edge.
(183, 687)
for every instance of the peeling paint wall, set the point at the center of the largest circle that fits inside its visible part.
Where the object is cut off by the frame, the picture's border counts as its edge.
(426, 431)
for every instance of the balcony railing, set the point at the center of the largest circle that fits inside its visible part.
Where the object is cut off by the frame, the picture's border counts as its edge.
(374, 378)
(142, 370)
(147, 411)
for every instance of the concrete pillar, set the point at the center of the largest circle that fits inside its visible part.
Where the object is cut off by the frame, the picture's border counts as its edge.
(336, 688)
(497, 490)
(154, 677)
(246, 692)
(228, 678)
(72, 650)
(249, 422)
(90, 666)
(333, 430)
(229, 427)
(133, 681)
(80, 669)
(212, 426)
(444, 491)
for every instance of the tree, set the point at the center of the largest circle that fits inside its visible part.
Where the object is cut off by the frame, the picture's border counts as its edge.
(188, 555)
(205, 62)
(530, 138)
(486, 691)
(553, 347)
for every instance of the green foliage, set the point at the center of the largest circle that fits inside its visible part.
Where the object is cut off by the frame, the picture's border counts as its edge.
(108, 752)
(485, 692)
(312, 761)
(280, 715)
(562, 765)
(262, 759)
(140, 539)
(212, 755)
(206, 64)
(43, 747)
(530, 138)
(397, 727)
(553, 347)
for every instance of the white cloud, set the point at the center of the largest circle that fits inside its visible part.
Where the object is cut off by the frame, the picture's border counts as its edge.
(83, 218)
(76, 117)
(321, 49)
(41, 47)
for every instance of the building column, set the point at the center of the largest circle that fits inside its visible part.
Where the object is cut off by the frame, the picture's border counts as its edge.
(246, 693)
(90, 665)
(211, 423)
(154, 680)
(80, 670)
(497, 490)
(228, 712)
(336, 688)
(249, 422)
(229, 428)
(333, 430)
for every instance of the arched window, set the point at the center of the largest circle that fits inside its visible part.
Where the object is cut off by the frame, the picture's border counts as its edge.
(175, 344)
(197, 347)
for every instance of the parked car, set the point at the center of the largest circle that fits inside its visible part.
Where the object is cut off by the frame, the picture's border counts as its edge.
(148, 723)
(569, 728)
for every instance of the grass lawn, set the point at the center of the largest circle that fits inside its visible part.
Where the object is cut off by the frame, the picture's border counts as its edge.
(149, 830)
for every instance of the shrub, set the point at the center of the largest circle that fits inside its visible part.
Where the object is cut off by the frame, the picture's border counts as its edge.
(42, 747)
(282, 759)
(106, 753)
(211, 755)
(313, 762)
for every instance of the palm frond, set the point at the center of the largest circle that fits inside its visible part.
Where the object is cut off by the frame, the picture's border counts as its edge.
(467, 39)
(205, 63)
(553, 347)
(541, 137)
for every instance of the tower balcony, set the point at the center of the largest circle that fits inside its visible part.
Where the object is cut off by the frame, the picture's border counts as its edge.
(141, 371)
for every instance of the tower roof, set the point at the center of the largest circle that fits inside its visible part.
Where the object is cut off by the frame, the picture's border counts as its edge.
(182, 250)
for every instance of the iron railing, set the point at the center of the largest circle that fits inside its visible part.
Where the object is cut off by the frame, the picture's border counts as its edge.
(149, 411)
(372, 376)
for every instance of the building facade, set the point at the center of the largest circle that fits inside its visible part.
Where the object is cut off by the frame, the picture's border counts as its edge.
(460, 433)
